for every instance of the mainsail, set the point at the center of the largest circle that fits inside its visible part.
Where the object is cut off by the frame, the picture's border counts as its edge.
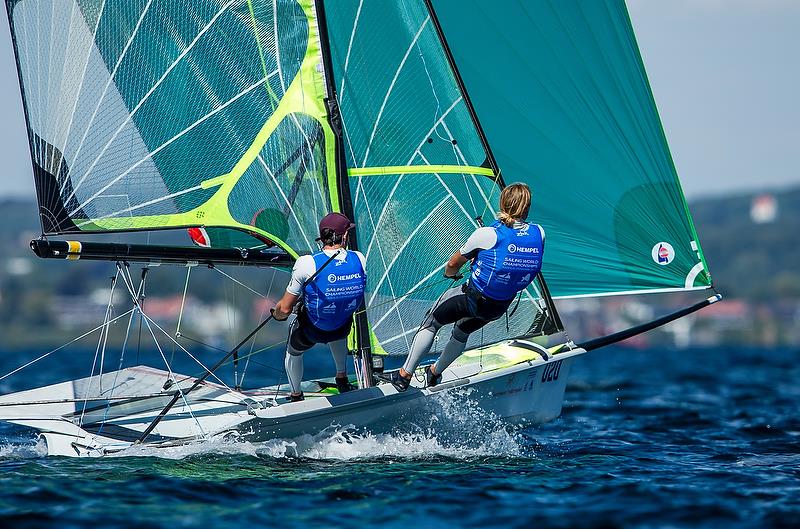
(564, 99)
(151, 114)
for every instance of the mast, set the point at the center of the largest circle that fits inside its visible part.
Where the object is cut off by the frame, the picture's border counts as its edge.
(490, 159)
(363, 347)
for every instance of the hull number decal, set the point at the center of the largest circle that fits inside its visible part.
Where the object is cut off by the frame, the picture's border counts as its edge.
(551, 371)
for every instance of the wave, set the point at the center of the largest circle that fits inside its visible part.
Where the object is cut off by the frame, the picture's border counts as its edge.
(456, 428)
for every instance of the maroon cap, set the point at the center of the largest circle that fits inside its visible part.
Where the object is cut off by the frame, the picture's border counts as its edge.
(337, 222)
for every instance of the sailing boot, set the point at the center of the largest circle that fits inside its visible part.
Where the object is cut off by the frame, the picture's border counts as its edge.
(399, 382)
(431, 379)
(343, 384)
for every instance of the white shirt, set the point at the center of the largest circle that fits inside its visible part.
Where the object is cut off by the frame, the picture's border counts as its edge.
(484, 239)
(305, 267)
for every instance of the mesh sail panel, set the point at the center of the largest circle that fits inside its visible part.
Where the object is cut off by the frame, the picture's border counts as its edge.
(410, 229)
(147, 114)
(565, 103)
(417, 166)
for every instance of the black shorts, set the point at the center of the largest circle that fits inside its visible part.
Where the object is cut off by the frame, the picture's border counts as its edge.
(468, 309)
(304, 334)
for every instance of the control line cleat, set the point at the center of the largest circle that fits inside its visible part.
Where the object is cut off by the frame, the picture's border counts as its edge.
(431, 379)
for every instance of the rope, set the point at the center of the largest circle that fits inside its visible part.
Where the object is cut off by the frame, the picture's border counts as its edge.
(45, 355)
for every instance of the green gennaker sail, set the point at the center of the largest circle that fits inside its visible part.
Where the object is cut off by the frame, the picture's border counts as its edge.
(562, 93)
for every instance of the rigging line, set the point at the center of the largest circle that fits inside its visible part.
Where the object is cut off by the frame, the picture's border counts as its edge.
(121, 358)
(128, 280)
(90, 48)
(391, 87)
(182, 348)
(101, 345)
(108, 82)
(183, 301)
(155, 151)
(146, 97)
(45, 355)
(261, 317)
(169, 368)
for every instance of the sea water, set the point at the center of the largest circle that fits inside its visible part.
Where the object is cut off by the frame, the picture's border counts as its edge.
(647, 438)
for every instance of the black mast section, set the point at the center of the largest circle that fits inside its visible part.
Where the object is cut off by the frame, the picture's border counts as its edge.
(345, 199)
(460, 82)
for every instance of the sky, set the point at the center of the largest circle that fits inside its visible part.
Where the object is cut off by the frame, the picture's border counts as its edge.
(724, 73)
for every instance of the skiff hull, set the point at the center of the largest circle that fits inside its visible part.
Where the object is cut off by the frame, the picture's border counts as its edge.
(522, 385)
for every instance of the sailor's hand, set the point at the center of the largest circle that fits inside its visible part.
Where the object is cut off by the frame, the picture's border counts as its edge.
(278, 315)
(455, 277)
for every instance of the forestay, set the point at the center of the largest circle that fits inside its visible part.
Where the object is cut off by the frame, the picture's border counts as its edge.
(565, 103)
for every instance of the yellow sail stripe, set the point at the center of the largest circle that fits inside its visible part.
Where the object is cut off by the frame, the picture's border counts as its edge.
(420, 169)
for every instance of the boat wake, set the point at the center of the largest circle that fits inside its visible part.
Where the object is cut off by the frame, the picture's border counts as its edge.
(457, 428)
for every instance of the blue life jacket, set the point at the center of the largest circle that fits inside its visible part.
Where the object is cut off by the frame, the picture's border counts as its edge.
(511, 264)
(335, 294)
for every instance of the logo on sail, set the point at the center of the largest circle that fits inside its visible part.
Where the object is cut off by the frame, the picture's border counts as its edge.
(663, 253)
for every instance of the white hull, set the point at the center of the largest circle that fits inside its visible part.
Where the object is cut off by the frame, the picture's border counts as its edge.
(506, 381)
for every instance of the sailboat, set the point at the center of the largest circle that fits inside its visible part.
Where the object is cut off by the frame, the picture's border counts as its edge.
(246, 121)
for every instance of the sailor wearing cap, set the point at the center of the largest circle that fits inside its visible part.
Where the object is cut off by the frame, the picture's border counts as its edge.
(506, 257)
(331, 283)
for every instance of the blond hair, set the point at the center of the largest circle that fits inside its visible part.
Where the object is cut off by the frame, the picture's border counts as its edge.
(515, 202)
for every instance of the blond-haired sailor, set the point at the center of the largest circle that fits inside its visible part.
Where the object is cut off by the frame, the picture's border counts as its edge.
(506, 257)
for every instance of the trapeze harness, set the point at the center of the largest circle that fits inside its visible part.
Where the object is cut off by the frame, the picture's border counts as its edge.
(500, 272)
(332, 298)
